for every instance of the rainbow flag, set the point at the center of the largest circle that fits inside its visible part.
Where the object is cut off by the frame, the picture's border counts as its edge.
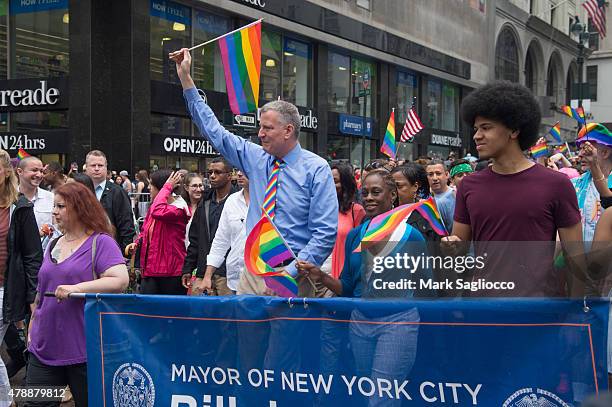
(282, 284)
(388, 146)
(241, 55)
(383, 225)
(265, 253)
(429, 211)
(21, 154)
(596, 133)
(539, 150)
(561, 149)
(574, 113)
(555, 131)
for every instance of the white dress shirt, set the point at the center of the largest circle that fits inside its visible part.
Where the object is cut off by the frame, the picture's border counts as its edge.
(230, 233)
(43, 207)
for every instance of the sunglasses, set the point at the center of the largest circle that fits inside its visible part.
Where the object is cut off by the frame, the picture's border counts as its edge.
(376, 165)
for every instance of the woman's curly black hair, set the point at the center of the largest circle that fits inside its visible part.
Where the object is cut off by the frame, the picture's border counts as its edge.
(506, 102)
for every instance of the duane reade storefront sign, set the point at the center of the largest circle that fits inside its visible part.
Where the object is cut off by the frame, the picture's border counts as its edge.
(446, 140)
(33, 94)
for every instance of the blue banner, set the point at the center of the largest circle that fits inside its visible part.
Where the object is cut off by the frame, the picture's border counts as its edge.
(32, 6)
(171, 11)
(260, 351)
(355, 125)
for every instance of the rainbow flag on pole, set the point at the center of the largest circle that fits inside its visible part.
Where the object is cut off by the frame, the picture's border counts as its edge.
(265, 253)
(383, 225)
(562, 148)
(539, 150)
(576, 114)
(388, 146)
(555, 131)
(429, 210)
(241, 55)
(21, 154)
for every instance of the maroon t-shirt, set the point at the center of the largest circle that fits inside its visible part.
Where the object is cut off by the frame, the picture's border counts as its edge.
(527, 206)
(514, 219)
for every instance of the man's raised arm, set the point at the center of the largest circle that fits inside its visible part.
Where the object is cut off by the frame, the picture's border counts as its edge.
(238, 151)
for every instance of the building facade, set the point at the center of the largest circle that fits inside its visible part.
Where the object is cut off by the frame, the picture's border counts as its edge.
(599, 77)
(534, 46)
(82, 74)
(102, 68)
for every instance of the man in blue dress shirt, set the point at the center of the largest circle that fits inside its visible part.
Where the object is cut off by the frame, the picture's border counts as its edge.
(306, 206)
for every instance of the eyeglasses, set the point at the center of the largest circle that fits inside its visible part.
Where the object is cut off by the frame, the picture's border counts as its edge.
(195, 186)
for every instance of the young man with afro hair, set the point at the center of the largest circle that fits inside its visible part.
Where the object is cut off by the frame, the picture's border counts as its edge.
(514, 199)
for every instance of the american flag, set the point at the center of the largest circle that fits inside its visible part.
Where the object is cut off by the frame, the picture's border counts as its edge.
(596, 10)
(412, 127)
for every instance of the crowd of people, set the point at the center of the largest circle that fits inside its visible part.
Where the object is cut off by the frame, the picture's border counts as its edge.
(78, 233)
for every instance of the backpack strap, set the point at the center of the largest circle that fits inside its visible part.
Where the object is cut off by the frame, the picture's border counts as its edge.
(93, 257)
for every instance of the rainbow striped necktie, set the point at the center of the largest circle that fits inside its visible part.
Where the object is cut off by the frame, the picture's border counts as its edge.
(269, 203)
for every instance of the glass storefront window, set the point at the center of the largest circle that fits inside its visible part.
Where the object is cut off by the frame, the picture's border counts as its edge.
(189, 163)
(157, 162)
(346, 91)
(438, 152)
(338, 147)
(432, 104)
(306, 140)
(297, 72)
(39, 47)
(363, 73)
(170, 125)
(338, 73)
(170, 31)
(450, 107)
(406, 151)
(348, 148)
(357, 144)
(271, 55)
(207, 64)
(406, 92)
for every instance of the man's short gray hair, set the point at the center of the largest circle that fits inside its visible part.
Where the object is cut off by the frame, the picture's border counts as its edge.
(288, 113)
(25, 161)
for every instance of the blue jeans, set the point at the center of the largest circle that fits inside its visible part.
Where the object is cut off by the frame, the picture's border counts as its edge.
(385, 351)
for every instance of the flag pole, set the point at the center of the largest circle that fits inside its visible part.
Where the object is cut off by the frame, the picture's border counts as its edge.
(394, 138)
(226, 34)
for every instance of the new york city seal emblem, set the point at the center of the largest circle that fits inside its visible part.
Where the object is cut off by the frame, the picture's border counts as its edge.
(530, 397)
(133, 386)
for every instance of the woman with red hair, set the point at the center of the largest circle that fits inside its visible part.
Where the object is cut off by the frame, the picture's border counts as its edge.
(85, 259)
